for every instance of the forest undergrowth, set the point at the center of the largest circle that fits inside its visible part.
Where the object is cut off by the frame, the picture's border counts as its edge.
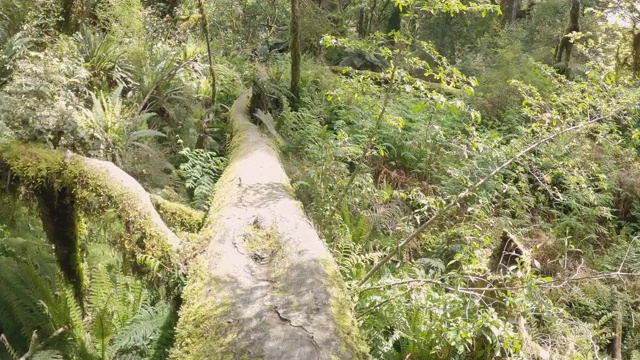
(472, 167)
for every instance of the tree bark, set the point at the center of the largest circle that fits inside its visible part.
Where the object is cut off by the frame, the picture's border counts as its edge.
(265, 285)
(616, 351)
(296, 57)
(636, 55)
(617, 340)
(59, 221)
(510, 10)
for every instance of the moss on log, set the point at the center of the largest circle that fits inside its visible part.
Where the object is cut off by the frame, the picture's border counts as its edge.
(91, 187)
(177, 216)
(264, 286)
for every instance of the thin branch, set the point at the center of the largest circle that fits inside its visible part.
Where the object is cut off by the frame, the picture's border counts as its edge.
(468, 192)
(626, 254)
(477, 291)
(378, 305)
(424, 281)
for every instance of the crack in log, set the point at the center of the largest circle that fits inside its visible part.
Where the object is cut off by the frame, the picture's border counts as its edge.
(309, 333)
(235, 245)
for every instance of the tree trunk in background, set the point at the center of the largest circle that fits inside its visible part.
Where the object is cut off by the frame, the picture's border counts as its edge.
(509, 11)
(59, 221)
(169, 7)
(74, 14)
(204, 122)
(394, 23)
(616, 352)
(296, 56)
(636, 55)
(362, 24)
(616, 346)
(566, 45)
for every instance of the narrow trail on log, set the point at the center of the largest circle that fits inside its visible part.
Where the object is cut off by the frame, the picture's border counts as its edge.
(271, 288)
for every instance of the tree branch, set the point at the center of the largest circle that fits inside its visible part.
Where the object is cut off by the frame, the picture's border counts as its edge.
(95, 186)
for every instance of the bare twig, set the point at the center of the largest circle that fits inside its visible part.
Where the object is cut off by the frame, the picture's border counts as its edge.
(479, 295)
(553, 284)
(626, 254)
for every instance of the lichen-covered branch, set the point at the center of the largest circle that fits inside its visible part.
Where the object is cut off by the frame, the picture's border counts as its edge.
(263, 286)
(65, 181)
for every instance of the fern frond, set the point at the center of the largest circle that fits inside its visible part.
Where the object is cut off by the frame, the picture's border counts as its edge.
(48, 355)
(201, 171)
(142, 329)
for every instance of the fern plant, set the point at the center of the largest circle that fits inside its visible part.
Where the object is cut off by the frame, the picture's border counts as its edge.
(103, 57)
(115, 126)
(41, 318)
(35, 302)
(200, 172)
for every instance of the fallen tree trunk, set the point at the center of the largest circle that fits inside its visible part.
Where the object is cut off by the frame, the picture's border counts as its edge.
(264, 286)
(66, 185)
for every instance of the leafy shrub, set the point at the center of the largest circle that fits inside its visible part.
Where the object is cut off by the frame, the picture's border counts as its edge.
(43, 102)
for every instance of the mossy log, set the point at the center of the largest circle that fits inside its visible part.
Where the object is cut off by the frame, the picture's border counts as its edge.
(65, 184)
(264, 286)
(177, 216)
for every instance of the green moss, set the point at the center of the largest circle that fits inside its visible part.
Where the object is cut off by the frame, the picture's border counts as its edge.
(41, 171)
(341, 310)
(203, 331)
(258, 240)
(178, 217)
(92, 193)
(264, 246)
(34, 166)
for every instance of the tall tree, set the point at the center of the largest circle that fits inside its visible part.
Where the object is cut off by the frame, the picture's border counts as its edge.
(204, 124)
(295, 52)
(74, 14)
(636, 55)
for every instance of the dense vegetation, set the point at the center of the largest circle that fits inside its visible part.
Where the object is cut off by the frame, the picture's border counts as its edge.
(472, 166)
